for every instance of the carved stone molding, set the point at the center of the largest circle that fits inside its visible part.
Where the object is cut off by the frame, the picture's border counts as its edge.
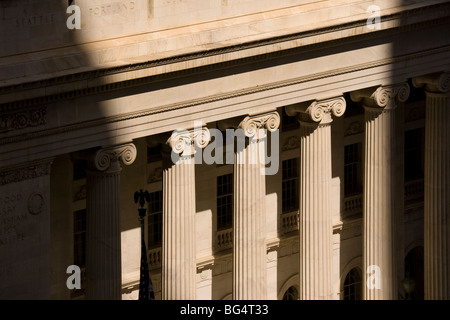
(318, 111)
(383, 96)
(288, 39)
(434, 83)
(180, 106)
(184, 141)
(22, 119)
(354, 128)
(81, 193)
(26, 172)
(291, 142)
(156, 175)
(251, 124)
(35, 203)
(105, 157)
(415, 113)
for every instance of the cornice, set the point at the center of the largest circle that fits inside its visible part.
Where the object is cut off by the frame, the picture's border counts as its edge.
(88, 76)
(220, 97)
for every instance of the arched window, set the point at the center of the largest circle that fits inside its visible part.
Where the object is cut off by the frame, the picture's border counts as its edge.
(414, 270)
(352, 285)
(291, 294)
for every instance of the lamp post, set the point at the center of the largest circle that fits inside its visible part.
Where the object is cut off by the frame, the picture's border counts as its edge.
(145, 284)
(408, 285)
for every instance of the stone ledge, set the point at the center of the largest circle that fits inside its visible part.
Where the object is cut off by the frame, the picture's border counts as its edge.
(136, 66)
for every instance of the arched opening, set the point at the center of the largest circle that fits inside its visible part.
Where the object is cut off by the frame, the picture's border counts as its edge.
(353, 285)
(414, 274)
(291, 293)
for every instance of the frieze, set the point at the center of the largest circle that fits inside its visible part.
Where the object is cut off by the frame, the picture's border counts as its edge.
(178, 106)
(23, 119)
(25, 173)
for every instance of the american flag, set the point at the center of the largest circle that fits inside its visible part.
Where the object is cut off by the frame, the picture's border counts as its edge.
(146, 291)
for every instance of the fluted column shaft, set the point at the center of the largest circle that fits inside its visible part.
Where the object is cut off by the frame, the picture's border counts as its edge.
(103, 251)
(179, 246)
(249, 215)
(379, 105)
(437, 186)
(315, 219)
(378, 216)
(315, 225)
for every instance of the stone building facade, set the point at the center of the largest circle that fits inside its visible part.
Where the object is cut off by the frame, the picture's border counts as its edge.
(348, 101)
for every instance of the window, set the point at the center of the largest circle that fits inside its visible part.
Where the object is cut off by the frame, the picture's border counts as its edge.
(290, 185)
(352, 285)
(155, 208)
(79, 238)
(224, 201)
(414, 272)
(291, 294)
(79, 249)
(414, 154)
(352, 169)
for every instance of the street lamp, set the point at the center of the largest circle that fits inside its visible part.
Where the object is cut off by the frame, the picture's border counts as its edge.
(408, 285)
(145, 284)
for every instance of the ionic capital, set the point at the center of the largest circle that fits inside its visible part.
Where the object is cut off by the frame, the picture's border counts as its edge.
(184, 141)
(434, 83)
(318, 111)
(382, 96)
(108, 158)
(251, 124)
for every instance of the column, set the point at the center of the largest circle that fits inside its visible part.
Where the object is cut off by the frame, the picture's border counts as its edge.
(179, 268)
(437, 186)
(103, 252)
(379, 105)
(315, 225)
(249, 215)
